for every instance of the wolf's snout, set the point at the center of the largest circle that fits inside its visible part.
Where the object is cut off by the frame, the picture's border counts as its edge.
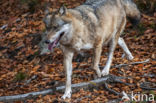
(47, 41)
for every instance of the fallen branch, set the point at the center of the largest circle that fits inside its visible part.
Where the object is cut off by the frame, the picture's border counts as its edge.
(133, 63)
(121, 65)
(49, 91)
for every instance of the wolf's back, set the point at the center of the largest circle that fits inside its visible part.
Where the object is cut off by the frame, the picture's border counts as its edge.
(130, 7)
(132, 11)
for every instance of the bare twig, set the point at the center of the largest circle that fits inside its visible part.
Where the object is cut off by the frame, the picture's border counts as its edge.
(111, 90)
(18, 19)
(134, 63)
(121, 65)
(151, 75)
(119, 81)
(6, 25)
(79, 99)
(148, 86)
(29, 80)
(3, 27)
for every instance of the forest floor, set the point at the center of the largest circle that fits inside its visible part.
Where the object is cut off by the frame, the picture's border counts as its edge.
(18, 61)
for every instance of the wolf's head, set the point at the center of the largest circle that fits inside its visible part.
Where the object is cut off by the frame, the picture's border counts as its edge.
(58, 28)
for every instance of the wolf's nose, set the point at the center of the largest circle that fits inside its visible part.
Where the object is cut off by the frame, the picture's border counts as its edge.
(47, 41)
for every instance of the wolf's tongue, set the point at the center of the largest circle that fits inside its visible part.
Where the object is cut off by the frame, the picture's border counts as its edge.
(52, 45)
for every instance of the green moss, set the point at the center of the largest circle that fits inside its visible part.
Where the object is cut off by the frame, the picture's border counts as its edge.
(141, 29)
(20, 76)
(153, 26)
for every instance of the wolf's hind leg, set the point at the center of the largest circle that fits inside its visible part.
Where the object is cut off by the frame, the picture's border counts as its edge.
(96, 58)
(123, 45)
(112, 44)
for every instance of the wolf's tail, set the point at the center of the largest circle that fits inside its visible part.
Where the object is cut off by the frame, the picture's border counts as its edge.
(132, 11)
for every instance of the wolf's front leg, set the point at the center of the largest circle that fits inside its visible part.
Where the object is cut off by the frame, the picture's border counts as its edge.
(96, 58)
(68, 55)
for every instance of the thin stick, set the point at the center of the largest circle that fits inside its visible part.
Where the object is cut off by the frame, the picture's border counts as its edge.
(111, 90)
(134, 63)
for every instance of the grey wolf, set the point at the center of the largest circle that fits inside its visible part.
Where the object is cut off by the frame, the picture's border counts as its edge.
(89, 26)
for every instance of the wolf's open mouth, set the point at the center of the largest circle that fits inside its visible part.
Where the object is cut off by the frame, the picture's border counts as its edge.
(55, 42)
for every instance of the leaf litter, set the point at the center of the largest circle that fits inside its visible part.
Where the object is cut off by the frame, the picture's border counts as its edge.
(19, 61)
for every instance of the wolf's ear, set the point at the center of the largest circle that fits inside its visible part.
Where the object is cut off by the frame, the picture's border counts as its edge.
(63, 10)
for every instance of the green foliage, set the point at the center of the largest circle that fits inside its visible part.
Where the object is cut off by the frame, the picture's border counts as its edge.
(133, 101)
(153, 92)
(20, 76)
(135, 37)
(37, 53)
(153, 26)
(141, 28)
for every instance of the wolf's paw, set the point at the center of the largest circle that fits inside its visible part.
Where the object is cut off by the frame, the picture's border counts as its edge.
(105, 72)
(98, 72)
(66, 95)
(130, 57)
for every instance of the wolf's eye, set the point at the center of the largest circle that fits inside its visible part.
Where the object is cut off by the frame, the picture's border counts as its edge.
(54, 27)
